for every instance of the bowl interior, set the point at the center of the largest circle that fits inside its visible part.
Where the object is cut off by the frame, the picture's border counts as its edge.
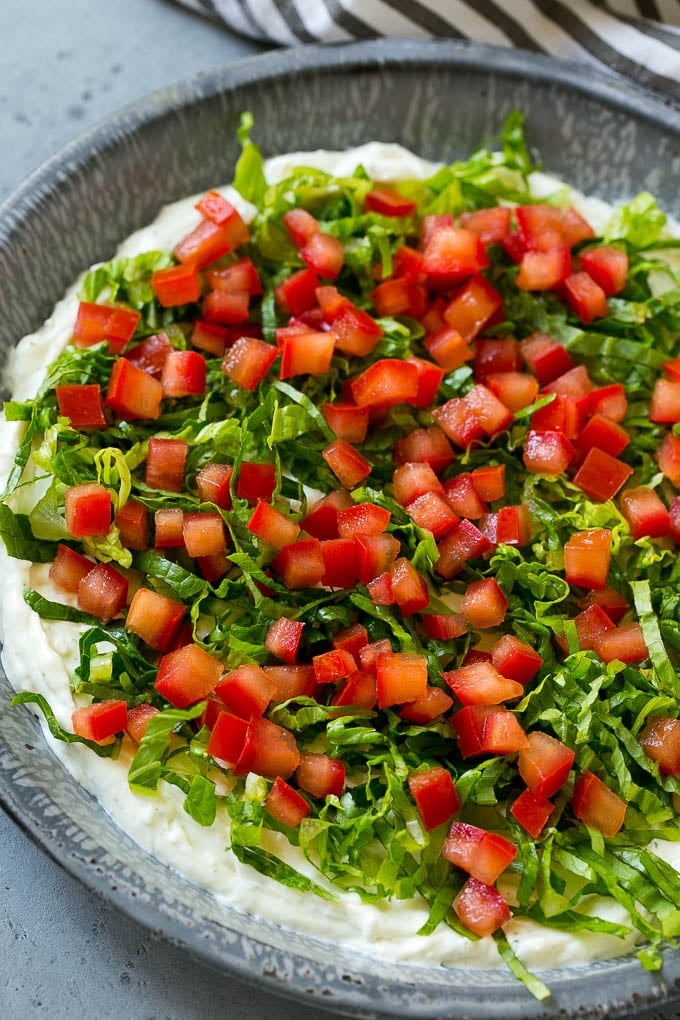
(441, 100)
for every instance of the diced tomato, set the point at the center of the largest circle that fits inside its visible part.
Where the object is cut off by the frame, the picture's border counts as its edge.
(283, 639)
(228, 737)
(408, 264)
(545, 764)
(138, 719)
(346, 463)
(432, 512)
(586, 298)
(609, 401)
(431, 223)
(445, 626)
(363, 519)
(609, 600)
(541, 227)
(101, 721)
(668, 457)
(204, 244)
(348, 421)
(590, 623)
(458, 422)
(413, 480)
(150, 355)
(472, 307)
(434, 792)
(256, 481)
(340, 563)
(69, 568)
(479, 683)
(491, 224)
(210, 337)
(665, 402)
(388, 203)
(375, 555)
(547, 453)
(645, 513)
(154, 618)
(322, 519)
(514, 389)
(351, 640)
(187, 675)
(545, 357)
(169, 528)
(329, 667)
(292, 680)
(603, 433)
(624, 643)
(204, 534)
(561, 415)
(400, 678)
(176, 285)
(320, 775)
(531, 812)
(213, 482)
(133, 393)
(429, 379)
(368, 655)
(660, 740)
(460, 545)
(575, 383)
(491, 414)
(380, 590)
(587, 556)
(608, 267)
(601, 476)
(448, 348)
(386, 382)
(595, 804)
(184, 374)
(102, 592)
(87, 509)
(246, 691)
(306, 353)
(425, 710)
(271, 526)
(297, 293)
(213, 566)
(300, 226)
(82, 405)
(324, 254)
(112, 323)
(226, 307)
(512, 525)
(300, 564)
(484, 855)
(515, 659)
(284, 803)
(495, 356)
(425, 446)
(487, 729)
(462, 496)
(481, 908)
(268, 750)
(359, 689)
(544, 270)
(356, 333)
(575, 228)
(484, 604)
(215, 207)
(451, 254)
(408, 587)
(165, 464)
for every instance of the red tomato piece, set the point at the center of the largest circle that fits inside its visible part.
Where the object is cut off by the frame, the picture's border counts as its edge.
(375, 555)
(434, 792)
(339, 562)
(324, 254)
(541, 227)
(609, 401)
(228, 737)
(484, 604)
(213, 482)
(609, 600)
(187, 675)
(363, 519)
(601, 476)
(348, 421)
(69, 568)
(322, 519)
(346, 463)
(151, 354)
(154, 618)
(256, 481)
(487, 729)
(400, 677)
(176, 285)
(297, 293)
(368, 655)
(545, 357)
(138, 719)
(515, 659)
(133, 394)
(489, 482)
(665, 403)
(102, 592)
(624, 643)
(462, 496)
(380, 590)
(531, 812)
(425, 446)
(306, 353)
(329, 667)
(429, 379)
(451, 254)
(596, 805)
(209, 337)
(587, 556)
(432, 512)
(490, 224)
(445, 626)
(300, 226)
(283, 639)
(165, 464)
(320, 775)
(411, 481)
(204, 534)
(184, 374)
(608, 267)
(514, 389)
(169, 528)
(544, 270)
(425, 710)
(660, 740)
(269, 750)
(358, 690)
(215, 207)
(351, 640)
(448, 348)
(355, 331)
(112, 323)
(480, 683)
(590, 623)
(204, 244)
(408, 587)
(545, 764)
(87, 509)
(586, 298)
(668, 457)
(460, 545)
(645, 513)
(284, 803)
(226, 307)
(495, 356)
(271, 526)
(484, 855)
(547, 453)
(292, 680)
(246, 691)
(388, 203)
(472, 306)
(561, 415)
(481, 908)
(82, 405)
(491, 414)
(603, 433)
(458, 422)
(386, 382)
(100, 722)
(248, 361)
(300, 564)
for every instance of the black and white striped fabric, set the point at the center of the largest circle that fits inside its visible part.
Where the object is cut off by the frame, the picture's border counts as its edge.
(637, 38)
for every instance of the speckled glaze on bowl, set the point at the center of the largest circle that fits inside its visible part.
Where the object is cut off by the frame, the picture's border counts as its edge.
(440, 99)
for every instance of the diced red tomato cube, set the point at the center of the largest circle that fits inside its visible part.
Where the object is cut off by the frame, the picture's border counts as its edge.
(226, 307)
(187, 675)
(480, 683)
(357, 690)
(215, 207)
(151, 354)
(184, 374)
(463, 498)
(624, 643)
(514, 389)
(324, 254)
(496, 355)
(541, 226)
(595, 804)
(320, 775)
(169, 528)
(363, 519)
(603, 433)
(348, 421)
(610, 401)
(346, 463)
(425, 710)
(472, 306)
(285, 804)
(586, 298)
(300, 226)
(665, 403)
(451, 254)
(587, 556)
(322, 519)
(300, 564)
(380, 590)
(165, 463)
(132, 521)
(101, 721)
(434, 792)
(388, 203)
(545, 357)
(268, 750)
(297, 293)
(368, 655)
(204, 244)
(228, 737)
(668, 457)
(82, 405)
(601, 476)
(102, 592)
(491, 414)
(256, 481)
(483, 854)
(458, 422)
(491, 224)
(133, 393)
(545, 764)
(113, 323)
(329, 667)
(531, 812)
(400, 678)
(425, 446)
(481, 908)
(356, 333)
(138, 719)
(660, 740)
(428, 379)
(87, 509)
(408, 587)
(608, 267)
(271, 526)
(69, 568)
(544, 270)
(283, 639)
(547, 453)
(448, 348)
(460, 545)
(515, 659)
(445, 626)
(306, 353)
(154, 618)
(339, 563)
(176, 285)
(411, 481)
(209, 337)
(204, 534)
(487, 729)
(384, 383)
(351, 640)
(213, 482)
(292, 680)
(246, 690)
(432, 512)
(484, 604)
(375, 555)
(645, 513)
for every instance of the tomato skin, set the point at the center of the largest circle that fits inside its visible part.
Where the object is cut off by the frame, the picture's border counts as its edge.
(586, 298)
(595, 804)
(339, 563)
(445, 626)
(665, 402)
(516, 390)
(87, 509)
(434, 792)
(375, 555)
(604, 434)
(660, 740)
(545, 764)
(610, 401)
(154, 618)
(346, 463)
(481, 908)
(351, 640)
(384, 383)
(531, 812)
(388, 203)
(348, 421)
(400, 677)
(457, 421)
(297, 293)
(356, 333)
(329, 667)
(547, 453)
(204, 244)
(187, 675)
(601, 476)
(82, 405)
(209, 337)
(176, 285)
(101, 721)
(487, 729)
(165, 464)
(228, 737)
(132, 393)
(255, 481)
(69, 568)
(102, 592)
(484, 855)
(285, 804)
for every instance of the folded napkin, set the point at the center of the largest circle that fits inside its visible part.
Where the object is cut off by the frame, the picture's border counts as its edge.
(636, 38)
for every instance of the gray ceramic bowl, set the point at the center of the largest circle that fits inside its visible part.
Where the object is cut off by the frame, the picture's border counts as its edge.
(440, 99)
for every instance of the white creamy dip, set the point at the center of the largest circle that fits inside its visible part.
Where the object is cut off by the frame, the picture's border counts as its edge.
(40, 656)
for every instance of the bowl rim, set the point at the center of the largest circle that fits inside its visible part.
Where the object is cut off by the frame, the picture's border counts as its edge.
(614, 91)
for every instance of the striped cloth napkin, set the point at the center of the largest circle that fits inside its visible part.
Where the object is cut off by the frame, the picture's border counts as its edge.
(637, 38)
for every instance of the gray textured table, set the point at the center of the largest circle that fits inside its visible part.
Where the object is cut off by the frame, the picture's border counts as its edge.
(66, 64)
